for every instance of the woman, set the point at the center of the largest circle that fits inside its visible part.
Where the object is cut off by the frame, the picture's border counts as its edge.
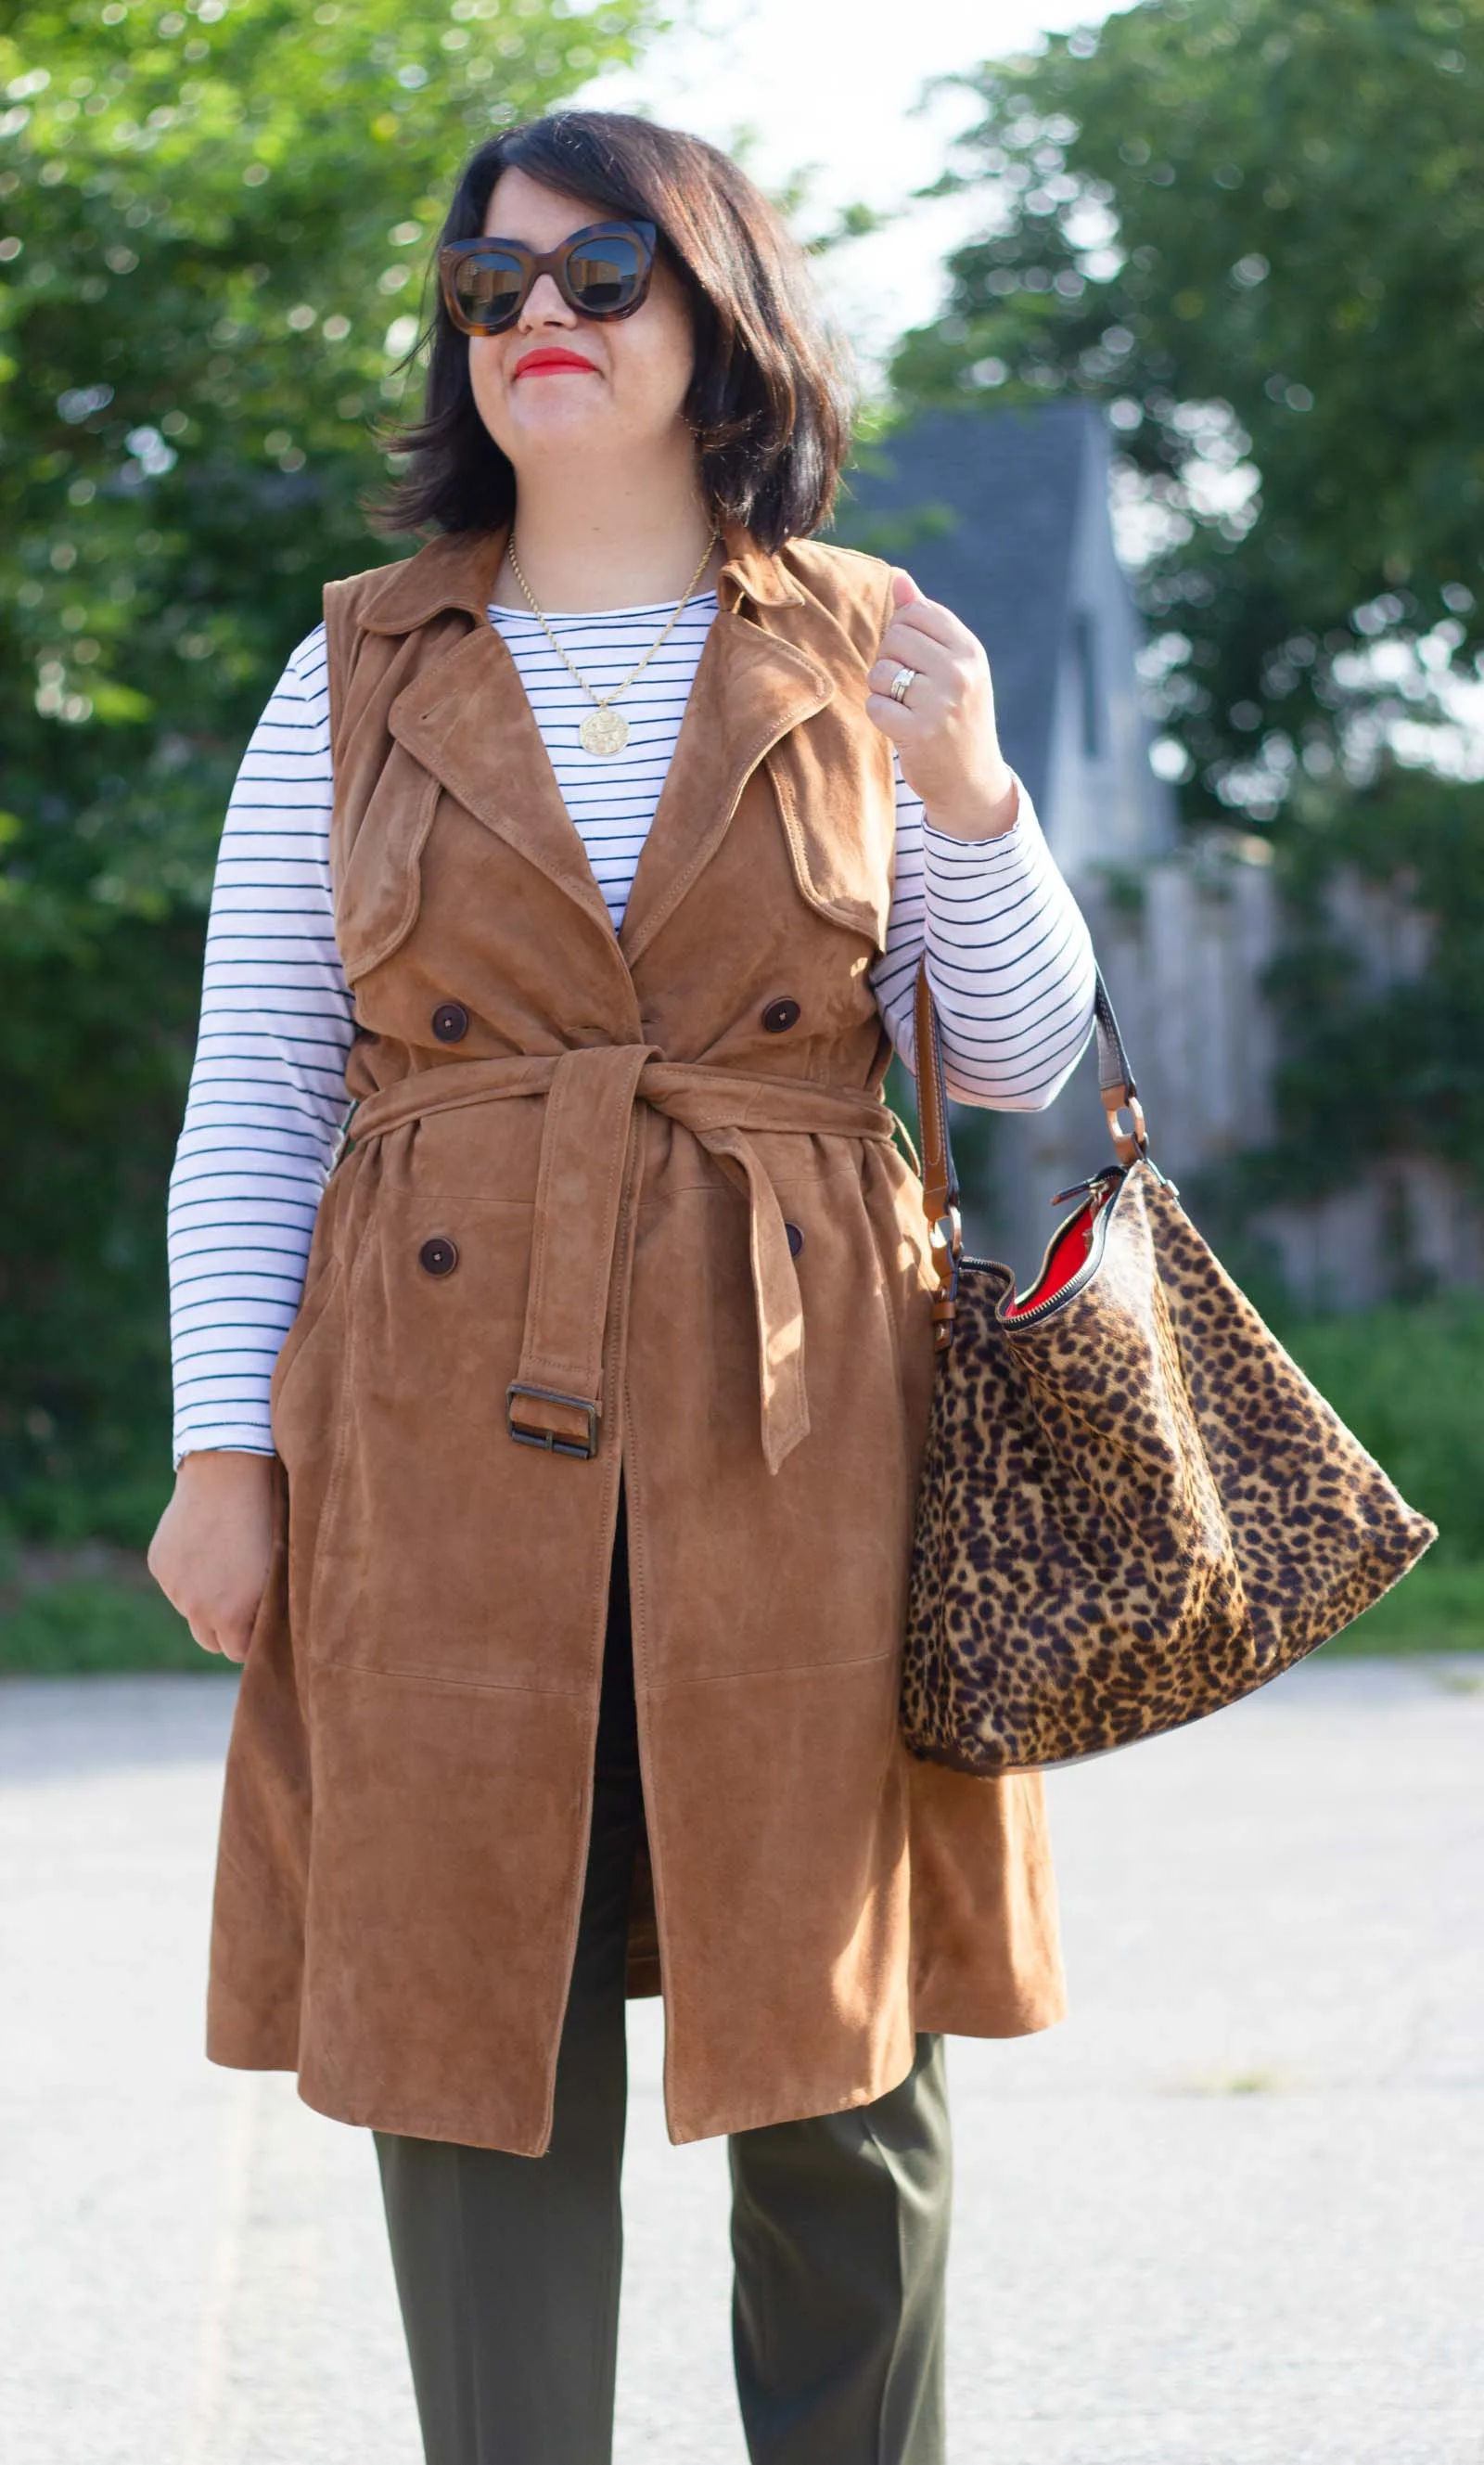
(566, 1552)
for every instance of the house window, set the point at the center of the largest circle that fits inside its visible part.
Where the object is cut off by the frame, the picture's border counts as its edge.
(1084, 652)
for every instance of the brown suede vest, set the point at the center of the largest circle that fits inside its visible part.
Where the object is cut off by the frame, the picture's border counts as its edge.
(610, 1202)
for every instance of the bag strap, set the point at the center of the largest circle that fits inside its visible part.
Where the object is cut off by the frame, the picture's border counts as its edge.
(1116, 1087)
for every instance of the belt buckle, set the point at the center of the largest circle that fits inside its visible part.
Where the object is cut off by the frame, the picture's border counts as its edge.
(583, 1449)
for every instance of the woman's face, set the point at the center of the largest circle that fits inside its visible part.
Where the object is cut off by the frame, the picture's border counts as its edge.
(625, 398)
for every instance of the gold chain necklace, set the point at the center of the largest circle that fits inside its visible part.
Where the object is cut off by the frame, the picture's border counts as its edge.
(605, 730)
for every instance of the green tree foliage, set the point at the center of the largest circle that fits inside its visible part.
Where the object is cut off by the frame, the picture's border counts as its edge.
(1256, 231)
(1372, 1071)
(214, 229)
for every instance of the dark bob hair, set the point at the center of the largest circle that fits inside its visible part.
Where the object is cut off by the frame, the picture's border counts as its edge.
(770, 402)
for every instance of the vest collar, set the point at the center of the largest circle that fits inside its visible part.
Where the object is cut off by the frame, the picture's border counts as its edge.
(458, 569)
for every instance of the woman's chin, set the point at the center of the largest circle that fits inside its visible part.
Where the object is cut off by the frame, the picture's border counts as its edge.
(554, 427)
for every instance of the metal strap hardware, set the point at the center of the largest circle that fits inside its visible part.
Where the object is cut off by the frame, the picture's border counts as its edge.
(584, 1448)
(1122, 1108)
(344, 1141)
(939, 1180)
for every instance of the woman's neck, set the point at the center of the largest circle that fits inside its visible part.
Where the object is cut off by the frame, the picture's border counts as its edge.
(587, 546)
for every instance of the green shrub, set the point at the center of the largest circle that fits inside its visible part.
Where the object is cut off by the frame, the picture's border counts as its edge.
(1409, 1381)
(97, 1626)
(187, 428)
(1439, 1607)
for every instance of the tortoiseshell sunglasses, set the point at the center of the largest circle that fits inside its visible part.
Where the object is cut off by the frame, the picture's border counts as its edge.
(602, 270)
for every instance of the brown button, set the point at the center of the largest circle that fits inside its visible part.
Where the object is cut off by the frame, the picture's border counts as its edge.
(780, 1015)
(450, 1022)
(795, 1239)
(440, 1255)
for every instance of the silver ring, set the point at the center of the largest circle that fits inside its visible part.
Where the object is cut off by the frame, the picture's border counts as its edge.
(904, 676)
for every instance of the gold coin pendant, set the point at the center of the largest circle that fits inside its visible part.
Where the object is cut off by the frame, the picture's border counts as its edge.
(605, 730)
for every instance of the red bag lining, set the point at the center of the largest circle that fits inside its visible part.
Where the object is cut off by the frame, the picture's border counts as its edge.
(1071, 1251)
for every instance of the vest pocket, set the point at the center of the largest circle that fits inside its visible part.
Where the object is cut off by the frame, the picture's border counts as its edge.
(833, 785)
(413, 1500)
(319, 1293)
(378, 880)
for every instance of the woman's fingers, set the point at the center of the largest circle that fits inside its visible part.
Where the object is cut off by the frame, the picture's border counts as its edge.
(926, 620)
(201, 1617)
(226, 1631)
(232, 1640)
(931, 696)
(924, 687)
(228, 1634)
(222, 1626)
(892, 719)
(944, 726)
(948, 666)
(214, 1546)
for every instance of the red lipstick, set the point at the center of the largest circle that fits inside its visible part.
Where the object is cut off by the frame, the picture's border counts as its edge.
(534, 362)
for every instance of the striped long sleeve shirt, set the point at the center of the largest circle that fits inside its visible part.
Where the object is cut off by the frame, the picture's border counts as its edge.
(1008, 956)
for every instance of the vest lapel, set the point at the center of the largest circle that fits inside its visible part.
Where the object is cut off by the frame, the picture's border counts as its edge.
(749, 689)
(467, 718)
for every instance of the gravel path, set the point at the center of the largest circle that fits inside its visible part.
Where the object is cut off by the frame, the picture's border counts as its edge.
(1230, 2214)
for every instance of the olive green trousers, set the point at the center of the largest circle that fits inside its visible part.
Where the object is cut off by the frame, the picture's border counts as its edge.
(508, 2267)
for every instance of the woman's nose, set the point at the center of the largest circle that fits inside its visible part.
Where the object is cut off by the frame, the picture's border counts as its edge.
(546, 305)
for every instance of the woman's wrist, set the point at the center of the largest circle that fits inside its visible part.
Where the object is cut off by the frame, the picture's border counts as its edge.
(222, 1467)
(989, 816)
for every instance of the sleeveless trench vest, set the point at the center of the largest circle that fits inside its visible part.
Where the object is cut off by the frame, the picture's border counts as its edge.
(608, 1202)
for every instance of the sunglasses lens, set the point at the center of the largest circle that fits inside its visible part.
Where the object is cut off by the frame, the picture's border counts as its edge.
(604, 276)
(487, 288)
(606, 272)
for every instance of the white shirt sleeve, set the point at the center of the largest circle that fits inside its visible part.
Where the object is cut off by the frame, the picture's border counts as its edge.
(1008, 957)
(267, 1088)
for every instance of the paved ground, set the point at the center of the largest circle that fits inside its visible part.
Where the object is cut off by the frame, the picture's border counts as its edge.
(1230, 2214)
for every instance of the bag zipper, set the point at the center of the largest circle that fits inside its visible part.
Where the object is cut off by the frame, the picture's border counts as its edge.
(1109, 1184)
(1110, 1180)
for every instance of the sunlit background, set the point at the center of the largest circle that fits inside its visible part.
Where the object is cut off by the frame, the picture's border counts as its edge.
(838, 110)
(1168, 325)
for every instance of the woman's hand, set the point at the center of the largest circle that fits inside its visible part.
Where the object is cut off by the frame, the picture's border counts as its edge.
(213, 1545)
(944, 731)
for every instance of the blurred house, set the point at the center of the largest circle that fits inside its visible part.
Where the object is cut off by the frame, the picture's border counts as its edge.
(1005, 516)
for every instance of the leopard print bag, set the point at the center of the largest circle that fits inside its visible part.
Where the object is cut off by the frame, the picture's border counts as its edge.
(1134, 1507)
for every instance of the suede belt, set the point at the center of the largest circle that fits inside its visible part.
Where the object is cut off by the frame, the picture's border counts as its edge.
(556, 1399)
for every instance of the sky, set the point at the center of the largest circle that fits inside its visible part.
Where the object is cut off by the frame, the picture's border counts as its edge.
(828, 88)
(833, 90)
